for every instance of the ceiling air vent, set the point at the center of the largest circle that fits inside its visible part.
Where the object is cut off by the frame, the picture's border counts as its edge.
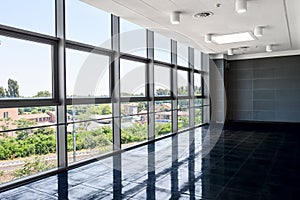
(203, 14)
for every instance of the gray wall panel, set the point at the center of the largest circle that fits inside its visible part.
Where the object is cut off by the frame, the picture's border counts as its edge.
(263, 105)
(266, 89)
(264, 94)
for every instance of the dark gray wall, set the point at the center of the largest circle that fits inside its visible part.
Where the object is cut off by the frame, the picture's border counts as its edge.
(266, 89)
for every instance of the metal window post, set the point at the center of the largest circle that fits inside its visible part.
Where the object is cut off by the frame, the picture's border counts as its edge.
(115, 78)
(174, 86)
(191, 89)
(151, 103)
(60, 88)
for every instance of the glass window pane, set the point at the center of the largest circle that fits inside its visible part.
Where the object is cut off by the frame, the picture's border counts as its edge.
(87, 24)
(183, 84)
(162, 48)
(162, 81)
(26, 69)
(163, 118)
(198, 111)
(183, 114)
(32, 15)
(132, 39)
(182, 55)
(197, 84)
(92, 131)
(132, 78)
(134, 126)
(32, 147)
(197, 59)
(87, 74)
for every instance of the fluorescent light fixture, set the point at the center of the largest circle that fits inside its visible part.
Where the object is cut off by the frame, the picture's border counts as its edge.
(230, 52)
(258, 31)
(207, 38)
(240, 6)
(269, 48)
(232, 38)
(175, 17)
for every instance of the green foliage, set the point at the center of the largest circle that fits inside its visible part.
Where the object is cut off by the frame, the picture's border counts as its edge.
(142, 106)
(163, 92)
(135, 133)
(183, 122)
(43, 94)
(91, 139)
(23, 123)
(198, 116)
(1, 172)
(197, 90)
(44, 131)
(34, 111)
(32, 167)
(5, 122)
(183, 90)
(12, 88)
(162, 128)
(2, 92)
(103, 109)
(38, 144)
(20, 111)
(183, 104)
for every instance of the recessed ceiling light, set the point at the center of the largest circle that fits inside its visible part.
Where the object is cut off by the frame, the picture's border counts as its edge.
(258, 31)
(175, 17)
(240, 6)
(269, 48)
(207, 38)
(232, 38)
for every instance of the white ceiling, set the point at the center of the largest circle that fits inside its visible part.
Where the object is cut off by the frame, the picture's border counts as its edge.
(280, 17)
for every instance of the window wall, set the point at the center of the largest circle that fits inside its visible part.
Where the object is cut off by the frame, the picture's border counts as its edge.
(69, 88)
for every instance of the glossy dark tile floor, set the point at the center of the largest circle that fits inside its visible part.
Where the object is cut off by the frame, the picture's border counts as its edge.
(247, 162)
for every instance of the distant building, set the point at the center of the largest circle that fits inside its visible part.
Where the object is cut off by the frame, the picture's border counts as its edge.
(9, 115)
(102, 119)
(38, 118)
(143, 116)
(163, 116)
(130, 109)
(163, 107)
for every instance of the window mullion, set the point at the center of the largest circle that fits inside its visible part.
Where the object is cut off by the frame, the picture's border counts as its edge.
(61, 89)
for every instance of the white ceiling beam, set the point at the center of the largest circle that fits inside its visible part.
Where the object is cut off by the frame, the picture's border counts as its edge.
(264, 55)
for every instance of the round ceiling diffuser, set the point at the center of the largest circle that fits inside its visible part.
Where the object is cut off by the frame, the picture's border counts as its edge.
(203, 14)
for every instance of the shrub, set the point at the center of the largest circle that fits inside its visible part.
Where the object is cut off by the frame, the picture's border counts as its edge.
(32, 167)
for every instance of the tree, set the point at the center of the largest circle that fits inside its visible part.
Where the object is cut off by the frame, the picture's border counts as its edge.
(32, 167)
(142, 106)
(183, 90)
(43, 94)
(163, 92)
(23, 123)
(103, 109)
(5, 122)
(12, 88)
(45, 131)
(2, 92)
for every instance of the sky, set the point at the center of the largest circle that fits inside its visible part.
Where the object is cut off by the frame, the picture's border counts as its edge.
(30, 63)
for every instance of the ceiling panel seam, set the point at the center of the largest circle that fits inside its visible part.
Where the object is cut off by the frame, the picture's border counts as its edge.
(287, 22)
